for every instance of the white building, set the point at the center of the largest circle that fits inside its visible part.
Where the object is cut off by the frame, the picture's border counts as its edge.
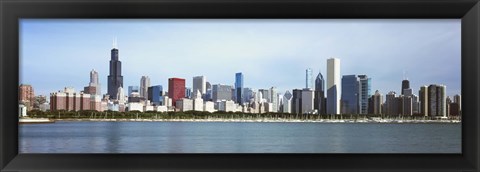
(185, 104)
(161, 108)
(167, 101)
(22, 110)
(121, 96)
(333, 86)
(112, 106)
(307, 101)
(135, 106)
(227, 106)
(274, 99)
(148, 108)
(209, 106)
(198, 104)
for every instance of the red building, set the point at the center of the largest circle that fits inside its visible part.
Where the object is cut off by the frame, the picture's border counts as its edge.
(176, 89)
(26, 96)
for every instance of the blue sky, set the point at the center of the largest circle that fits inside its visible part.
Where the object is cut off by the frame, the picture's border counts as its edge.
(56, 53)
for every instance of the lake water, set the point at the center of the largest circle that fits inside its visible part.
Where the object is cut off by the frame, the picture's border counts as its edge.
(238, 137)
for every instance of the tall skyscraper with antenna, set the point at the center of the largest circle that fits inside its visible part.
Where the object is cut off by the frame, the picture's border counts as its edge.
(405, 83)
(115, 78)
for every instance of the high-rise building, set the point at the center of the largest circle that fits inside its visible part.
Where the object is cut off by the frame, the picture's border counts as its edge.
(199, 83)
(350, 94)
(377, 102)
(26, 96)
(115, 78)
(208, 94)
(155, 95)
(391, 104)
(287, 102)
(407, 105)
(221, 92)
(320, 102)
(247, 94)
(144, 84)
(423, 96)
(265, 94)
(458, 99)
(239, 88)
(364, 93)
(405, 85)
(94, 82)
(333, 86)
(176, 89)
(273, 99)
(437, 100)
(307, 101)
(309, 78)
(297, 101)
(188, 92)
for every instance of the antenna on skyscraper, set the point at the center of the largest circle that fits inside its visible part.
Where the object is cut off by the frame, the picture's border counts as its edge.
(403, 74)
(115, 42)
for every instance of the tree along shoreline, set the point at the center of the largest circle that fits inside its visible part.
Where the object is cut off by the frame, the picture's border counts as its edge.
(197, 116)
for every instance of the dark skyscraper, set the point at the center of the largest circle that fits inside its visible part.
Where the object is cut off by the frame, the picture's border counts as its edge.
(239, 88)
(350, 94)
(405, 85)
(115, 79)
(320, 102)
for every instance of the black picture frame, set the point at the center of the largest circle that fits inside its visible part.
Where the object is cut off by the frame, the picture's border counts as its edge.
(12, 10)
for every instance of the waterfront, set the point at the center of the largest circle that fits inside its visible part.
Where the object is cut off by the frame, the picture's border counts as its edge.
(239, 137)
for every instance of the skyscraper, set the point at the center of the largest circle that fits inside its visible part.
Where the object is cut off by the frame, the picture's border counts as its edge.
(350, 94)
(333, 86)
(437, 100)
(94, 82)
(309, 79)
(176, 89)
(297, 101)
(287, 102)
(365, 85)
(199, 83)
(221, 92)
(307, 101)
(320, 103)
(115, 78)
(188, 92)
(423, 96)
(458, 99)
(273, 99)
(144, 84)
(391, 104)
(239, 88)
(405, 85)
(377, 102)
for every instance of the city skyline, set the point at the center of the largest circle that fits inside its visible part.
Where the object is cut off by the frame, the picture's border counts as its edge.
(254, 63)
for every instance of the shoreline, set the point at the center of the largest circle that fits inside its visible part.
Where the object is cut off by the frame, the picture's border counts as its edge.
(261, 120)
